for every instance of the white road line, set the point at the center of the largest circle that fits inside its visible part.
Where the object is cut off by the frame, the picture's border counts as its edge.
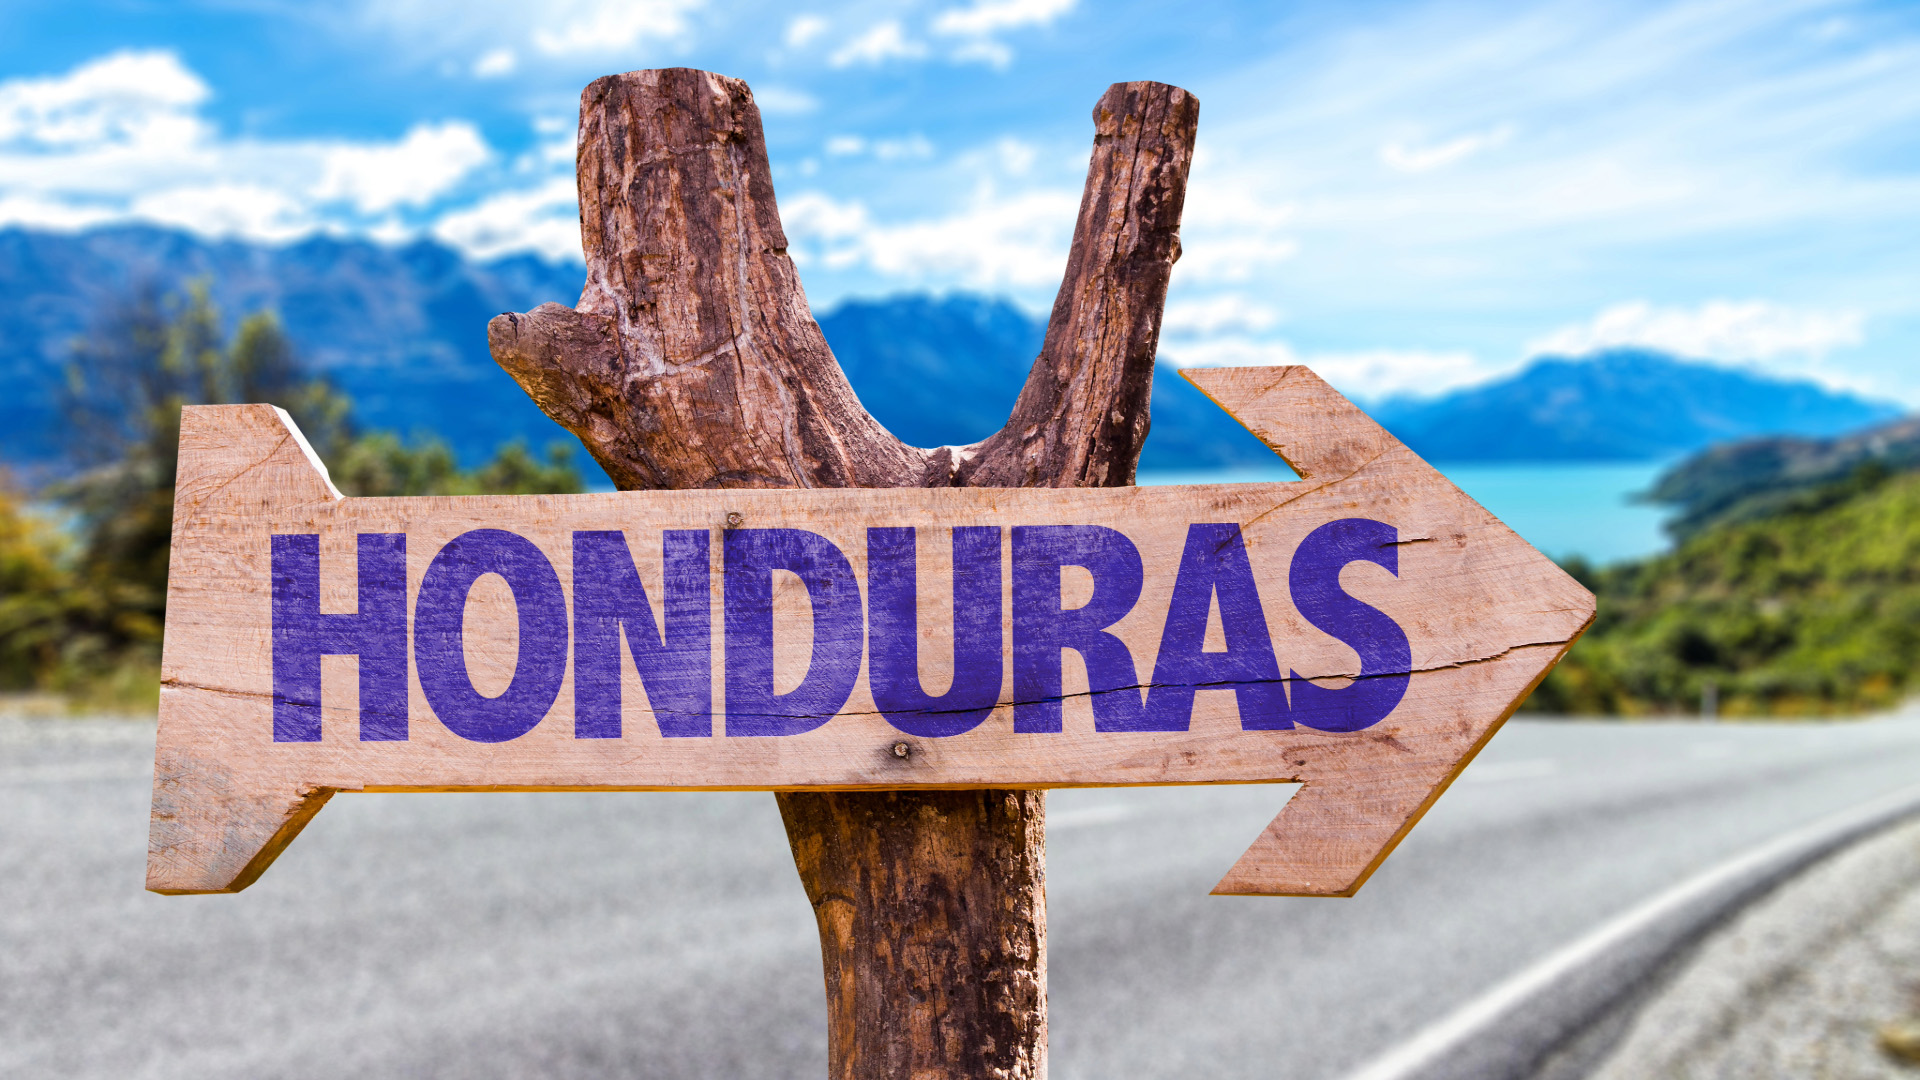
(1437, 1040)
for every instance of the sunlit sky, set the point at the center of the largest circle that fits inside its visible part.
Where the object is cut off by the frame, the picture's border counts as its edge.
(1409, 197)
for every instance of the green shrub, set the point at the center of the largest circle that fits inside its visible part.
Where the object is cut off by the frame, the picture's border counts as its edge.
(1811, 609)
(82, 607)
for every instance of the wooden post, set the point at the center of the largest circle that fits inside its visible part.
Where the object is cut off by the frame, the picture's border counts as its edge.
(693, 361)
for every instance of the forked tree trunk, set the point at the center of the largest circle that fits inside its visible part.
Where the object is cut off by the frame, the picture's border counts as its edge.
(693, 361)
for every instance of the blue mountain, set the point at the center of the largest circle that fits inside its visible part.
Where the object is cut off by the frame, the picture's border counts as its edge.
(1619, 405)
(944, 371)
(403, 330)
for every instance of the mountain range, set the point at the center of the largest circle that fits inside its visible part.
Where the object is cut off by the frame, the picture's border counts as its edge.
(402, 329)
(1754, 478)
(1619, 405)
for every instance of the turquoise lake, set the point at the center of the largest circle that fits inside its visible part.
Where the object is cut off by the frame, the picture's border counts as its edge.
(1562, 509)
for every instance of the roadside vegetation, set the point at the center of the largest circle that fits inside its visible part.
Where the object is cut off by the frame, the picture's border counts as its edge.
(1783, 597)
(83, 563)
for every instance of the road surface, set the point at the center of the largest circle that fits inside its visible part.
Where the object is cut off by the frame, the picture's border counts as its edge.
(666, 935)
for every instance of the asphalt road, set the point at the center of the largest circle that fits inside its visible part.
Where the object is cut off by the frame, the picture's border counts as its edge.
(666, 935)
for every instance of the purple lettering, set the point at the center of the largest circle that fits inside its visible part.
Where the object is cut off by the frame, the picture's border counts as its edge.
(1042, 628)
(675, 661)
(1386, 659)
(893, 632)
(439, 629)
(377, 634)
(750, 556)
(1215, 564)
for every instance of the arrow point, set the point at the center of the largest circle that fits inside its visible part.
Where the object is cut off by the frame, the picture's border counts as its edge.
(1313, 428)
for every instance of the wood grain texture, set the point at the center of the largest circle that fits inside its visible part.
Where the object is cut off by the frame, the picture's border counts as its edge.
(894, 935)
(1484, 614)
(1081, 419)
(692, 361)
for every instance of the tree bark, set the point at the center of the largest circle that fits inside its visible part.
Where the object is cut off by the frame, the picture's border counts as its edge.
(692, 360)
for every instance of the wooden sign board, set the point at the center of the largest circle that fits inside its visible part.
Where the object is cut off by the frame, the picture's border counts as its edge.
(1361, 631)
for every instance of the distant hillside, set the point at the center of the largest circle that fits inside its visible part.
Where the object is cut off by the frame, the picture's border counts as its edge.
(1757, 477)
(1621, 405)
(402, 329)
(1807, 607)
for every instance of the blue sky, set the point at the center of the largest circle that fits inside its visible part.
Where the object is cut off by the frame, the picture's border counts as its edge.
(1408, 197)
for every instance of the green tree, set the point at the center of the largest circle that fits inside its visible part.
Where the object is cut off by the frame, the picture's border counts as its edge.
(1810, 608)
(87, 614)
(126, 383)
(381, 464)
(36, 589)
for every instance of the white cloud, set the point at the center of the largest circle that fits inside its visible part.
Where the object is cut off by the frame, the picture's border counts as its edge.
(779, 100)
(1364, 375)
(1408, 159)
(1231, 230)
(905, 148)
(49, 214)
(1374, 374)
(585, 27)
(913, 146)
(986, 51)
(1725, 330)
(803, 30)
(1231, 351)
(1016, 157)
(414, 171)
(977, 25)
(544, 219)
(123, 137)
(577, 34)
(1224, 331)
(885, 41)
(1017, 241)
(252, 211)
(991, 16)
(138, 98)
(910, 147)
(1231, 311)
(494, 63)
(558, 146)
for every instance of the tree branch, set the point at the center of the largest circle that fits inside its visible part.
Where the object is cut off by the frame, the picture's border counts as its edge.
(1082, 417)
(692, 361)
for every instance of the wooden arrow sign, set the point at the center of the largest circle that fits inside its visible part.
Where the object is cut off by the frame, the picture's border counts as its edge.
(1362, 631)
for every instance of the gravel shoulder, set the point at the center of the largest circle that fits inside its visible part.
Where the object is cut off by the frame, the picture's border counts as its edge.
(1797, 984)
